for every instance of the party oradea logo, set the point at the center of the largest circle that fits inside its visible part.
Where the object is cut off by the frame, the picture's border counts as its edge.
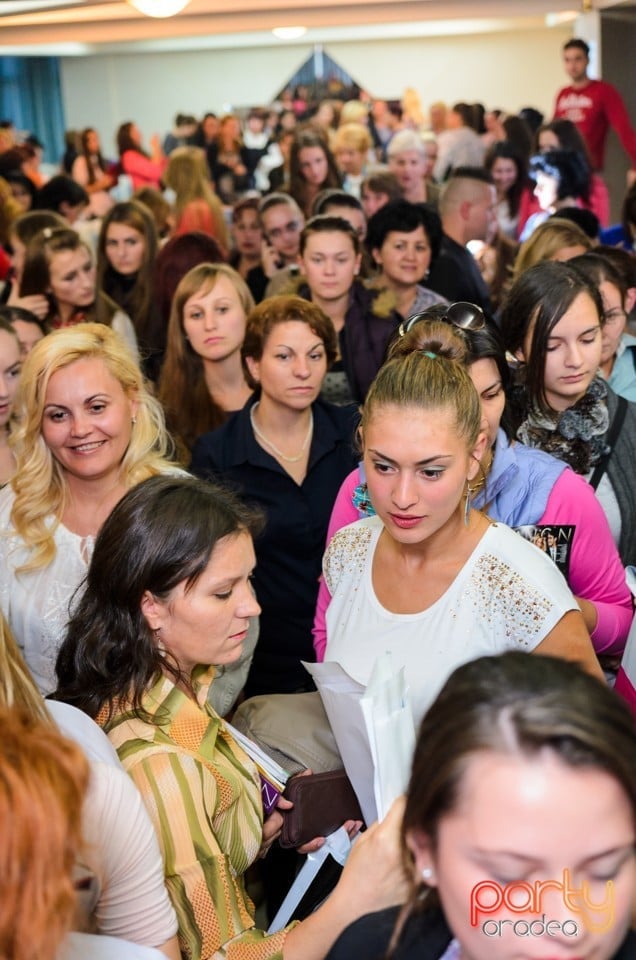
(491, 906)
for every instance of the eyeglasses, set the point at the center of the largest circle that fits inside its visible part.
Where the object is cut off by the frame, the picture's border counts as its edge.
(614, 317)
(465, 315)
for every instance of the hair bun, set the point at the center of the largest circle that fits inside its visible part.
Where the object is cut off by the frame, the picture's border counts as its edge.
(436, 339)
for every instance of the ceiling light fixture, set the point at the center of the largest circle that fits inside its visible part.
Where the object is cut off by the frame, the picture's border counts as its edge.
(159, 8)
(289, 33)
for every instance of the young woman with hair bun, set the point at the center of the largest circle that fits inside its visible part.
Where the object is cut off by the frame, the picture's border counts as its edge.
(428, 577)
(522, 487)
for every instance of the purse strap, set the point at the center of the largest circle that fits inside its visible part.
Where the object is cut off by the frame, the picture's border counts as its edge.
(612, 436)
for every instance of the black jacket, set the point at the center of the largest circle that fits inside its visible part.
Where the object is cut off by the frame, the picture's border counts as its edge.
(289, 551)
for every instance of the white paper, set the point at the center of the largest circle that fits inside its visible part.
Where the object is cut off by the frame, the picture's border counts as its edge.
(387, 712)
(341, 696)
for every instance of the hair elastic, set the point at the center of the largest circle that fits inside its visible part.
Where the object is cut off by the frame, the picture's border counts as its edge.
(430, 354)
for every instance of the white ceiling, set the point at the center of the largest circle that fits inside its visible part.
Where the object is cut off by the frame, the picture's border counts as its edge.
(81, 27)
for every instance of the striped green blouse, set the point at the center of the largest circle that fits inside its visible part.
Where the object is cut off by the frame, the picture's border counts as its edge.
(202, 793)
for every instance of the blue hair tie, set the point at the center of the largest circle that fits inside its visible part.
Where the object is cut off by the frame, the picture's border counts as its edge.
(431, 356)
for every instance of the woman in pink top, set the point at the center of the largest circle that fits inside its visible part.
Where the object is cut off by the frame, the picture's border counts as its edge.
(145, 170)
(527, 489)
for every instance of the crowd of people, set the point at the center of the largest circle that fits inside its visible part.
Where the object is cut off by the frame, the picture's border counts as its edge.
(313, 384)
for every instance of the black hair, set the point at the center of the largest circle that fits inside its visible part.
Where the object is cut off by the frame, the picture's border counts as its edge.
(404, 217)
(535, 304)
(57, 191)
(568, 167)
(585, 219)
(471, 173)
(575, 43)
(162, 533)
(596, 268)
(334, 198)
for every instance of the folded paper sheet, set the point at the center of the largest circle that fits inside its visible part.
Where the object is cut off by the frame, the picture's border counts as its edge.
(373, 727)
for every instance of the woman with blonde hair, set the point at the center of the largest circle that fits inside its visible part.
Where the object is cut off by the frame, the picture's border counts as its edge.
(87, 431)
(202, 379)
(428, 577)
(556, 239)
(196, 207)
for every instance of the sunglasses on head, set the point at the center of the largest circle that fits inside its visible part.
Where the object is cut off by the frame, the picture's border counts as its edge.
(464, 315)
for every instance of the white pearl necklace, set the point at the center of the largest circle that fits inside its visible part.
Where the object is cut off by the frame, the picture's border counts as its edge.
(272, 446)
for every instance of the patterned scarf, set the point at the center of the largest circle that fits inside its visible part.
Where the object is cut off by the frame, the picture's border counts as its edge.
(577, 435)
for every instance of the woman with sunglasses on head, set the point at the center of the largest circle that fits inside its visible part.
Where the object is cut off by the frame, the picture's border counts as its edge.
(428, 570)
(552, 322)
(524, 772)
(519, 486)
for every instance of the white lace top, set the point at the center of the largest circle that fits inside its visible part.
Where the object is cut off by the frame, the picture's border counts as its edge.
(508, 596)
(36, 605)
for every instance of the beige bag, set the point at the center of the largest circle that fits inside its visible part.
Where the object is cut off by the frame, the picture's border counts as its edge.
(292, 728)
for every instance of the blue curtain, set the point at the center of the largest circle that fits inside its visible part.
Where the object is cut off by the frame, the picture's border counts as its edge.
(31, 97)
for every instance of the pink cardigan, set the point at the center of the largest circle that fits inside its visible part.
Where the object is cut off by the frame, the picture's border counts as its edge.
(142, 171)
(595, 573)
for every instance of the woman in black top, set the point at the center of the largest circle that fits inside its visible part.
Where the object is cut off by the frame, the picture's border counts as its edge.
(288, 451)
(518, 832)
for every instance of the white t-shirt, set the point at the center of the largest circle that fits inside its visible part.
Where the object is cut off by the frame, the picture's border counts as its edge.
(120, 873)
(36, 605)
(508, 596)
(86, 946)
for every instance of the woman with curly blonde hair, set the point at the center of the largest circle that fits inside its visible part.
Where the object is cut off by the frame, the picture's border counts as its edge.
(87, 431)
(196, 205)
(202, 379)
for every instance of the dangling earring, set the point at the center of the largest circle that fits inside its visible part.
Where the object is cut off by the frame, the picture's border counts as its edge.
(467, 505)
(156, 634)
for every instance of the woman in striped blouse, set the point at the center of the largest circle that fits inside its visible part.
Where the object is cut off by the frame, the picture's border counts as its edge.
(168, 594)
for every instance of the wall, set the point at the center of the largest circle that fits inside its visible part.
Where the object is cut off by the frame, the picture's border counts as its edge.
(507, 70)
(618, 37)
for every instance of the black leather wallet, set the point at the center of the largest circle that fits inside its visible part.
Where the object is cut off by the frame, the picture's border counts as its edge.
(322, 803)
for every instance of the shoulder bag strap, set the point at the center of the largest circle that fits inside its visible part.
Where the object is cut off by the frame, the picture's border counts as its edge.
(612, 436)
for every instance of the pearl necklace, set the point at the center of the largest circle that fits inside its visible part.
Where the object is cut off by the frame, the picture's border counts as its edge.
(279, 453)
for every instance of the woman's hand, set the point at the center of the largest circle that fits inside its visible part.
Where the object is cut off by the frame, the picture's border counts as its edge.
(269, 259)
(373, 877)
(353, 828)
(273, 826)
(36, 303)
